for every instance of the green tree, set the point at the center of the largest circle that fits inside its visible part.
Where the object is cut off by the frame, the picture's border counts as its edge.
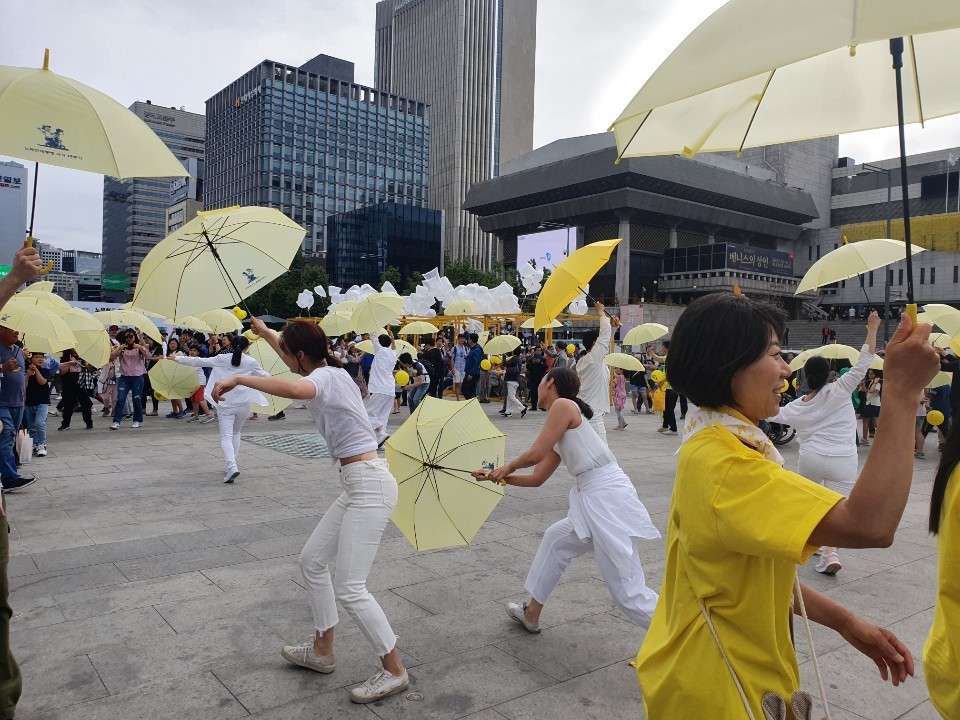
(392, 275)
(410, 285)
(463, 272)
(280, 297)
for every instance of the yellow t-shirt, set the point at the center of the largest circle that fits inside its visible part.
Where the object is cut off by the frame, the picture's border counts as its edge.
(941, 653)
(738, 526)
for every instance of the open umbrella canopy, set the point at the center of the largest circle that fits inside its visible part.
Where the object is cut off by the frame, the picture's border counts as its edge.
(624, 361)
(375, 311)
(402, 347)
(93, 341)
(807, 69)
(501, 344)
(945, 317)
(528, 324)
(217, 259)
(41, 327)
(336, 323)
(221, 321)
(834, 351)
(939, 380)
(130, 318)
(41, 286)
(52, 119)
(462, 307)
(644, 334)
(432, 455)
(419, 327)
(190, 322)
(173, 380)
(853, 259)
(569, 278)
(270, 361)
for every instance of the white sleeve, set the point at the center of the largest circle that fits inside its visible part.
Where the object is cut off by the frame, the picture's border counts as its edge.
(849, 381)
(194, 361)
(602, 346)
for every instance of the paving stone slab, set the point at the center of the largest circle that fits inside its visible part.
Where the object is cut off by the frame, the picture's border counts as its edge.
(221, 536)
(53, 583)
(59, 560)
(56, 680)
(177, 563)
(100, 601)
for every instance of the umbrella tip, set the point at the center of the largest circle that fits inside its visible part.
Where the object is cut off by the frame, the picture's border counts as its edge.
(46, 58)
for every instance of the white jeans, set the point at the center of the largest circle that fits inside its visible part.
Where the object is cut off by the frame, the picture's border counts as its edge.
(838, 473)
(231, 418)
(349, 534)
(561, 544)
(378, 410)
(596, 422)
(513, 402)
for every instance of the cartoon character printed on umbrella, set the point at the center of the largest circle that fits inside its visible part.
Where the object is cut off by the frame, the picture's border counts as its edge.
(52, 138)
(250, 276)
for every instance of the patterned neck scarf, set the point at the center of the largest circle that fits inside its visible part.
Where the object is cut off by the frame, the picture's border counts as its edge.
(741, 428)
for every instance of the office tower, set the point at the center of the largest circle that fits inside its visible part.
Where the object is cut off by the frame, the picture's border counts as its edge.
(312, 143)
(473, 62)
(14, 197)
(135, 210)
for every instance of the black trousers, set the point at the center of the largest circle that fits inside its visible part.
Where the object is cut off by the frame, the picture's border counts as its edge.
(72, 395)
(670, 410)
(469, 387)
(683, 405)
(533, 393)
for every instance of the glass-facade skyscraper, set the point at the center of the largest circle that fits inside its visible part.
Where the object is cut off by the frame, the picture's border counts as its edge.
(312, 143)
(135, 210)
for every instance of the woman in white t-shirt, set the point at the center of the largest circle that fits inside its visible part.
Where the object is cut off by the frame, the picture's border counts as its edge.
(349, 532)
(826, 425)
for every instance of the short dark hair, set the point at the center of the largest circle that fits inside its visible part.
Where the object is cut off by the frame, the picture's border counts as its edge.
(816, 372)
(405, 359)
(474, 338)
(666, 344)
(428, 340)
(589, 339)
(715, 337)
(384, 340)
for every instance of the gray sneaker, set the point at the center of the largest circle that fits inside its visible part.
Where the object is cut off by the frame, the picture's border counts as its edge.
(304, 656)
(515, 610)
(381, 685)
(232, 474)
(206, 419)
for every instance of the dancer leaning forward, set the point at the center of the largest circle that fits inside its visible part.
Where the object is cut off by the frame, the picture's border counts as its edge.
(349, 532)
(605, 514)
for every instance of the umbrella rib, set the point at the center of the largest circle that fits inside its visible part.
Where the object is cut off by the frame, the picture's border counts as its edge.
(916, 81)
(468, 442)
(639, 127)
(756, 109)
(436, 489)
(446, 471)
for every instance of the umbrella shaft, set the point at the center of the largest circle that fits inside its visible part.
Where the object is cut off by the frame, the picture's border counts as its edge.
(896, 50)
(216, 256)
(33, 203)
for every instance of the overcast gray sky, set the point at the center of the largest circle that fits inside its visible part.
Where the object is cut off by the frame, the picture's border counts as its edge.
(592, 57)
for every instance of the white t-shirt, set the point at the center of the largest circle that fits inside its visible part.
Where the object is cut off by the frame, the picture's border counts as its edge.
(595, 373)
(339, 413)
(381, 371)
(223, 368)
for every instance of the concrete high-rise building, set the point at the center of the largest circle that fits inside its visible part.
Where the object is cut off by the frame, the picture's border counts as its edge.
(13, 209)
(473, 61)
(75, 274)
(312, 143)
(135, 210)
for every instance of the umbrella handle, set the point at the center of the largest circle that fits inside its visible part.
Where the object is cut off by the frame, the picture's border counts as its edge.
(46, 268)
(912, 312)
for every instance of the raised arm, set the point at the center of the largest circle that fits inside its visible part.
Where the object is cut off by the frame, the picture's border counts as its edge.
(870, 516)
(271, 336)
(602, 346)
(293, 389)
(197, 361)
(848, 381)
(26, 266)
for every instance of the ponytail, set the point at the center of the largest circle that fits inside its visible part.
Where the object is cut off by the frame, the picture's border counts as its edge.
(567, 383)
(240, 343)
(309, 338)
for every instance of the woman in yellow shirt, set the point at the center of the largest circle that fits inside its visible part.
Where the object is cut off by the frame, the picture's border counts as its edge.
(740, 523)
(941, 653)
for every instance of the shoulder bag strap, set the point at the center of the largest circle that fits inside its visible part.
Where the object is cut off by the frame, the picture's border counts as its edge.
(733, 673)
(813, 652)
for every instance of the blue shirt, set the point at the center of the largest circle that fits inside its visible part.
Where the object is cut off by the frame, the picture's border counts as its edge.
(14, 384)
(472, 365)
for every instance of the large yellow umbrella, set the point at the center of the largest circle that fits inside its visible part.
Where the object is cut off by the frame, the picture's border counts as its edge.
(270, 361)
(501, 344)
(337, 323)
(528, 324)
(852, 259)
(644, 334)
(432, 455)
(47, 297)
(462, 307)
(221, 321)
(173, 380)
(190, 322)
(834, 351)
(93, 341)
(569, 278)
(130, 318)
(375, 311)
(623, 361)
(939, 380)
(402, 346)
(419, 327)
(41, 328)
(217, 259)
(945, 317)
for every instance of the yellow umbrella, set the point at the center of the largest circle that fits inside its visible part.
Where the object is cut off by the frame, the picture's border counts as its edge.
(830, 352)
(420, 327)
(93, 341)
(852, 259)
(624, 361)
(41, 286)
(501, 344)
(940, 340)
(173, 380)
(569, 278)
(462, 307)
(270, 361)
(375, 311)
(402, 347)
(344, 306)
(221, 321)
(528, 324)
(130, 318)
(945, 317)
(217, 259)
(190, 322)
(49, 299)
(876, 363)
(41, 328)
(432, 455)
(644, 334)
(336, 323)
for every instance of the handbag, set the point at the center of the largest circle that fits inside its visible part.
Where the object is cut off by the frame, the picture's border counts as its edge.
(773, 705)
(24, 447)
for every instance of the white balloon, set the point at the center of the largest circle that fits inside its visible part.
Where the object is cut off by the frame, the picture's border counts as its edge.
(305, 300)
(334, 290)
(320, 291)
(388, 287)
(533, 288)
(432, 275)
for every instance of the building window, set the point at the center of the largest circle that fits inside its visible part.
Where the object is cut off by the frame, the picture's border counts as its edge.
(956, 273)
(923, 275)
(889, 277)
(933, 276)
(809, 252)
(871, 278)
(900, 275)
(818, 252)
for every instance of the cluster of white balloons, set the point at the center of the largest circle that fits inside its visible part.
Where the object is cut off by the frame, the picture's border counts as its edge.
(531, 277)
(579, 305)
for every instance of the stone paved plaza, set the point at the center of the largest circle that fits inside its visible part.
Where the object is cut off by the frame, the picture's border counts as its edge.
(143, 587)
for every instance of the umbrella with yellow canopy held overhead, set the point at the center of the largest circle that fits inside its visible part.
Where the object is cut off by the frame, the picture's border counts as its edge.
(401, 346)
(462, 307)
(375, 311)
(569, 278)
(852, 259)
(623, 361)
(190, 322)
(271, 362)
(432, 455)
(337, 323)
(173, 380)
(501, 345)
(833, 351)
(221, 321)
(130, 318)
(40, 327)
(419, 327)
(93, 341)
(645, 334)
(528, 324)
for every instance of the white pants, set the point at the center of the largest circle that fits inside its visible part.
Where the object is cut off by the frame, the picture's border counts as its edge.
(349, 534)
(560, 545)
(838, 473)
(231, 418)
(596, 422)
(378, 410)
(513, 402)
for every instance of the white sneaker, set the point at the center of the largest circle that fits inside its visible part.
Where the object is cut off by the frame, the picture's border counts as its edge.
(136, 424)
(191, 418)
(42, 451)
(232, 474)
(829, 564)
(516, 611)
(206, 419)
(304, 656)
(381, 685)
(115, 426)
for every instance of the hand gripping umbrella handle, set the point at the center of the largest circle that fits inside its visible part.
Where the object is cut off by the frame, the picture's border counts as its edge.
(46, 268)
